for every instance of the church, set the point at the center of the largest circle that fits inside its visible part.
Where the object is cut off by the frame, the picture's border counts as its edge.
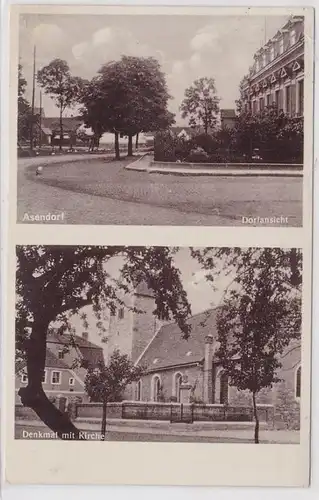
(177, 369)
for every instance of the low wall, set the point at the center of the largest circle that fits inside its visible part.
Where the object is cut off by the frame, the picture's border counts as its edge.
(164, 411)
(137, 410)
(263, 166)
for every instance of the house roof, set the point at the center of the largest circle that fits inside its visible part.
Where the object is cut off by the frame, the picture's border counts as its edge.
(168, 348)
(51, 361)
(178, 130)
(227, 113)
(70, 123)
(89, 351)
(143, 289)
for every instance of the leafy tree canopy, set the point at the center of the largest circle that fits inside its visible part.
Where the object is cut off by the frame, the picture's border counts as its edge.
(201, 104)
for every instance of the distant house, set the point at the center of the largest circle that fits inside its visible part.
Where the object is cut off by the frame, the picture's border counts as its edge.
(63, 377)
(228, 118)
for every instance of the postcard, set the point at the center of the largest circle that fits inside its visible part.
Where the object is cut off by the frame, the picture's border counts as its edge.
(158, 296)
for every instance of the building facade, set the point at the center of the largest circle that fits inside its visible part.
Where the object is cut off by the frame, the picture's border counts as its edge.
(173, 364)
(63, 378)
(277, 74)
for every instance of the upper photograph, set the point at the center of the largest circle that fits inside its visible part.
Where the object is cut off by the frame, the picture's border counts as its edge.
(180, 120)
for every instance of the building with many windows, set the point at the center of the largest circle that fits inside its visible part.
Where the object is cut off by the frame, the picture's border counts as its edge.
(277, 75)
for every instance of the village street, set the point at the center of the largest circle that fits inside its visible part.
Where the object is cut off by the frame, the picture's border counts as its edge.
(101, 191)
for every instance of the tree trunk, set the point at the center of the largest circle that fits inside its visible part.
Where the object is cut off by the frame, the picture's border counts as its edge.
(136, 141)
(130, 146)
(117, 146)
(61, 130)
(33, 395)
(103, 428)
(256, 419)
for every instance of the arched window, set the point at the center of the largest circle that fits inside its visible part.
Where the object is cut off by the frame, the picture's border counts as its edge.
(139, 390)
(156, 387)
(221, 388)
(177, 380)
(298, 383)
(223, 398)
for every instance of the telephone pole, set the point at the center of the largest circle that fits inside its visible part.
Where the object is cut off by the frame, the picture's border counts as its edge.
(32, 101)
(40, 120)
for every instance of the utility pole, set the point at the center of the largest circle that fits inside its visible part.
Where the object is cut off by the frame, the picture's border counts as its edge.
(40, 120)
(32, 101)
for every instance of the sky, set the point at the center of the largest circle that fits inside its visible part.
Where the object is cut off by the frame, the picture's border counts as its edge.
(187, 47)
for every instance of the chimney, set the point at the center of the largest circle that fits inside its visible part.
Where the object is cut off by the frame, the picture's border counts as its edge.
(85, 335)
(208, 369)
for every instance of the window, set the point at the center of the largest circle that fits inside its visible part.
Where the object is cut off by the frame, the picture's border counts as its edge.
(44, 377)
(121, 313)
(223, 394)
(60, 354)
(293, 100)
(272, 53)
(24, 378)
(281, 46)
(288, 99)
(261, 104)
(268, 100)
(298, 383)
(300, 97)
(71, 381)
(156, 388)
(177, 385)
(264, 58)
(139, 391)
(292, 37)
(56, 378)
(254, 106)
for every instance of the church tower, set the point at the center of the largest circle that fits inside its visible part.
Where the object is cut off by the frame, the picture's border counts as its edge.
(145, 325)
(130, 331)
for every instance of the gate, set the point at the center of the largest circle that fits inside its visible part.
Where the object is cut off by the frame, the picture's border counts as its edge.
(182, 414)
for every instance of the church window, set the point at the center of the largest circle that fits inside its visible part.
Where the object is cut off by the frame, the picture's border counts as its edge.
(139, 390)
(298, 383)
(177, 380)
(156, 388)
(121, 313)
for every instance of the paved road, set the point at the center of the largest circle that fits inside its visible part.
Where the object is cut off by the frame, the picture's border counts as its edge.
(100, 191)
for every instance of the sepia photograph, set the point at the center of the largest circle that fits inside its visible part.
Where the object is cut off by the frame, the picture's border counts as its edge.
(120, 121)
(158, 344)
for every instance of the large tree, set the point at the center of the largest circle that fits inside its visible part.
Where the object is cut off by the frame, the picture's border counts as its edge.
(24, 110)
(260, 313)
(106, 384)
(55, 282)
(201, 104)
(127, 97)
(61, 86)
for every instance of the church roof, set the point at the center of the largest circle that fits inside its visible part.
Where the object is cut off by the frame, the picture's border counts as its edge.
(168, 348)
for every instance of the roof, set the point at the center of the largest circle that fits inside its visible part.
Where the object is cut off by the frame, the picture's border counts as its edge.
(168, 347)
(51, 361)
(227, 113)
(69, 123)
(178, 130)
(143, 289)
(90, 352)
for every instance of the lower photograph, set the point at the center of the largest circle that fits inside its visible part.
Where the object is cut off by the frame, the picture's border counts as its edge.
(166, 344)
